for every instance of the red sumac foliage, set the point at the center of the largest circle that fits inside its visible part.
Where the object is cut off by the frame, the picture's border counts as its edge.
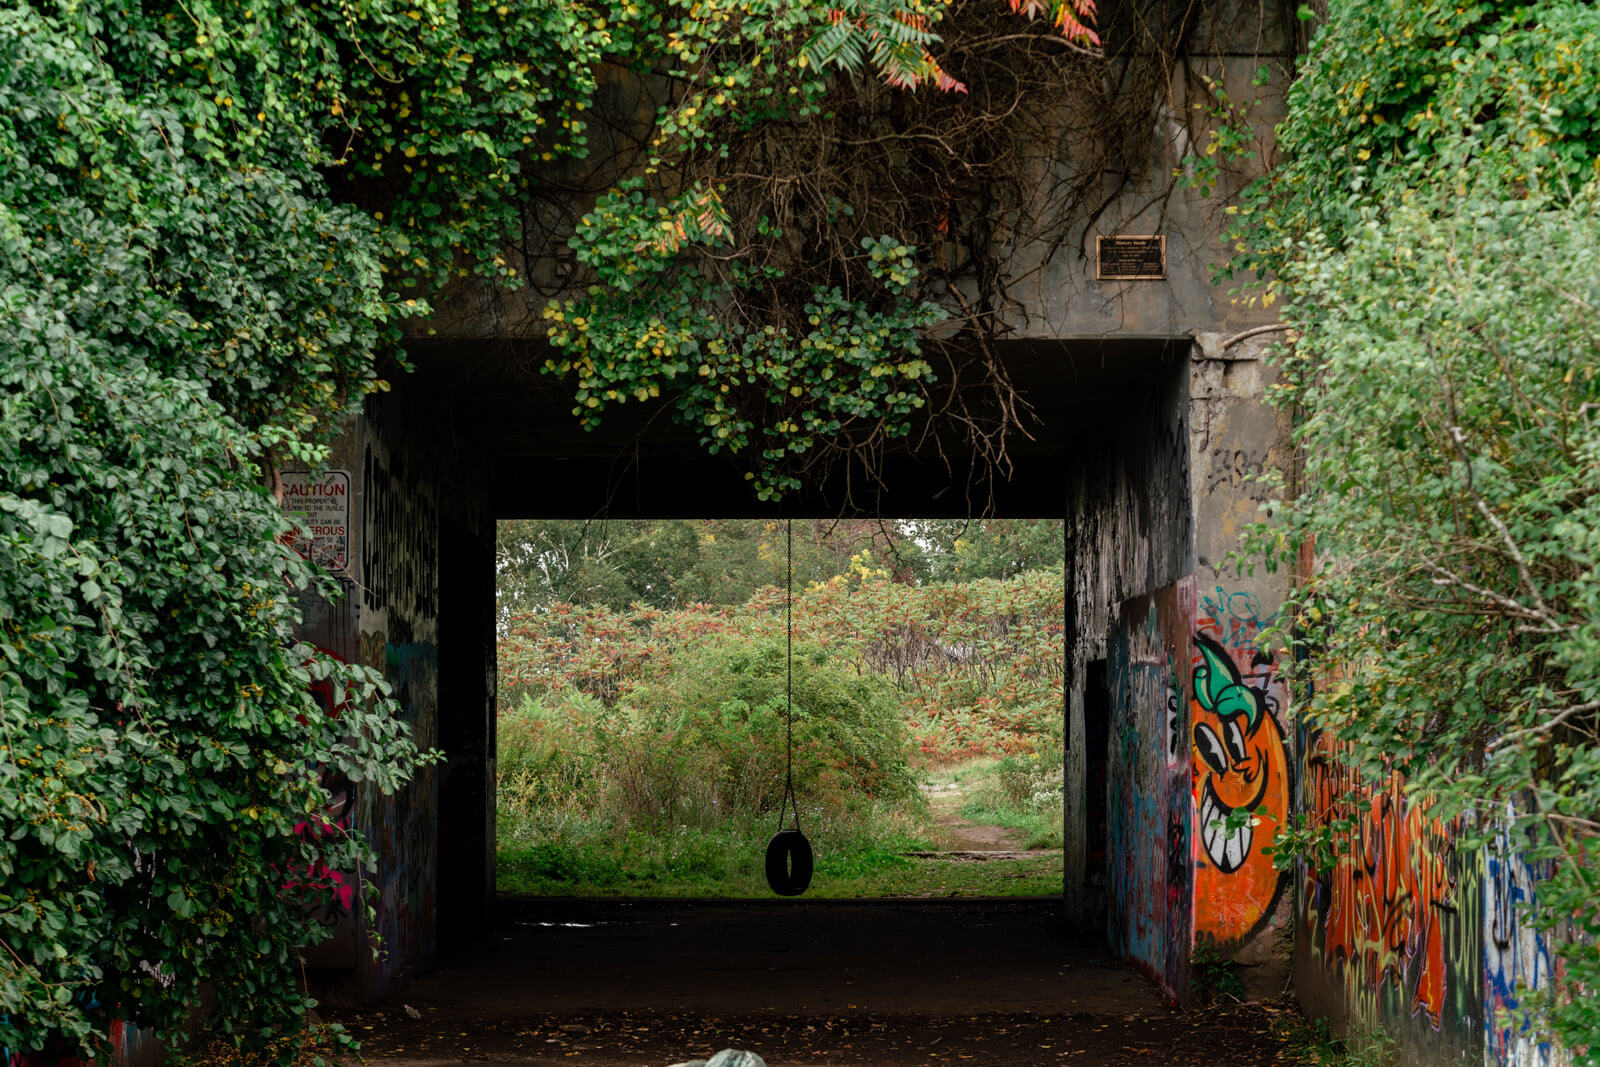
(977, 665)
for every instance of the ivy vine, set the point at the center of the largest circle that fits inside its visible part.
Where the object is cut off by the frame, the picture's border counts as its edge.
(219, 215)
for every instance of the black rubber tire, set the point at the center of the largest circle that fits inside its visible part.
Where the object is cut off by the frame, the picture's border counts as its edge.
(788, 863)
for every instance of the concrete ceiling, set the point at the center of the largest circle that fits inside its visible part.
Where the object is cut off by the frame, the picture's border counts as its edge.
(641, 463)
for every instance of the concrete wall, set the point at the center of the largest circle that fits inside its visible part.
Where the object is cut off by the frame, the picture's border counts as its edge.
(399, 635)
(1408, 933)
(1128, 533)
(1517, 957)
(1152, 517)
(1059, 294)
(1390, 935)
(1150, 866)
(1139, 185)
(418, 607)
(1238, 445)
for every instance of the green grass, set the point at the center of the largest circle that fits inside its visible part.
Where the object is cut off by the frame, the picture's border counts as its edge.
(730, 868)
(548, 850)
(721, 861)
(598, 801)
(548, 855)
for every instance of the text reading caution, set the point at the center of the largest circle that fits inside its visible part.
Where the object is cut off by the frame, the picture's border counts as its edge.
(320, 501)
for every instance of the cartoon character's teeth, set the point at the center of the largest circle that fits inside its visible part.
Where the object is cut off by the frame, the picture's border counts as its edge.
(1226, 849)
(1236, 847)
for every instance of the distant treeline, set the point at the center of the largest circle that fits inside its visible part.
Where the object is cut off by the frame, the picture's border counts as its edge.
(675, 563)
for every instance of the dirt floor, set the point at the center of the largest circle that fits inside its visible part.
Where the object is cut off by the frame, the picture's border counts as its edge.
(607, 983)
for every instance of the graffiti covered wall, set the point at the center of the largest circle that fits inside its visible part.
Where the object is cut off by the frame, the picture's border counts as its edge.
(403, 828)
(1241, 743)
(417, 560)
(1241, 766)
(1404, 930)
(1149, 890)
(126, 1046)
(1127, 533)
(398, 636)
(1518, 958)
(1390, 933)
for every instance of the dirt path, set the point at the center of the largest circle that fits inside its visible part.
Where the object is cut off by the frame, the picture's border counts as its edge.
(805, 984)
(956, 834)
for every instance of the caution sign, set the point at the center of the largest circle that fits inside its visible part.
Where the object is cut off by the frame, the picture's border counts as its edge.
(320, 501)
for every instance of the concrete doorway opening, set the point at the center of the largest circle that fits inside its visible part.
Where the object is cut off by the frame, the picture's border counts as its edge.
(1108, 455)
(645, 670)
(1111, 460)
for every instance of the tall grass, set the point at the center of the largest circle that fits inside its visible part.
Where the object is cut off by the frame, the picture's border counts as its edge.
(678, 789)
(977, 666)
(645, 751)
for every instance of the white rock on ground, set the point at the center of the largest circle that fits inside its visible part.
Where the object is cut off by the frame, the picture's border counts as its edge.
(728, 1057)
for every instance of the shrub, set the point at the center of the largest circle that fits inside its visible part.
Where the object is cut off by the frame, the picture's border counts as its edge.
(977, 666)
(726, 699)
(705, 741)
(1031, 784)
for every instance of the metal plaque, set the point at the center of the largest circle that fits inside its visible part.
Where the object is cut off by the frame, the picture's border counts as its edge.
(1131, 258)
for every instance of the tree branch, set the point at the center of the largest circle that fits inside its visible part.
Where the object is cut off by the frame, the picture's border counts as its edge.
(1543, 612)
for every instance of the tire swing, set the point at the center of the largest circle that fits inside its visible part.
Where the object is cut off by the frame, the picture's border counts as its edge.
(789, 853)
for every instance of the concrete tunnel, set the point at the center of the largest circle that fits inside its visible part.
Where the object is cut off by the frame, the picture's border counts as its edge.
(1144, 446)
(1152, 421)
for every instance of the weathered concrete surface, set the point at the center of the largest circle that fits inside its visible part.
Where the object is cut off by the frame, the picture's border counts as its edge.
(1049, 281)
(1151, 853)
(1241, 459)
(1157, 518)
(1128, 532)
(1151, 432)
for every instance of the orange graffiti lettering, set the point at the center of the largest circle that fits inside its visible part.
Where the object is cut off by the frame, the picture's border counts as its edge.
(1390, 878)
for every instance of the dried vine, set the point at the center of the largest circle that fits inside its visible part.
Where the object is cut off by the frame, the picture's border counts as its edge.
(819, 185)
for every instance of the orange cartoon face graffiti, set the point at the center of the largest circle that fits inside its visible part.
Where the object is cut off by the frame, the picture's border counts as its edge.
(1240, 764)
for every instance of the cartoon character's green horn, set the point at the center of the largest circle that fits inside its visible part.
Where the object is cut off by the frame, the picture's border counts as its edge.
(1217, 683)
